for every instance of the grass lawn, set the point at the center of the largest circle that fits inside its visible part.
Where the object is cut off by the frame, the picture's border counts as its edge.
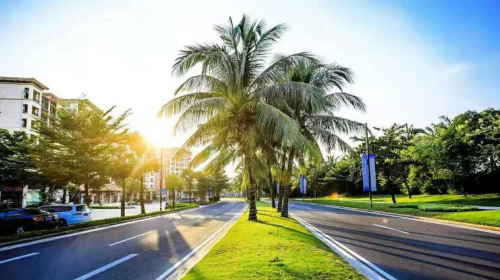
(272, 248)
(476, 200)
(481, 217)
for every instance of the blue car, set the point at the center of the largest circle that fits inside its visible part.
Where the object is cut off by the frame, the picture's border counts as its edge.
(70, 214)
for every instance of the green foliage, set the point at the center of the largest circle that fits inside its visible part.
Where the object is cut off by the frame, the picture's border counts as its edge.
(17, 167)
(404, 205)
(446, 208)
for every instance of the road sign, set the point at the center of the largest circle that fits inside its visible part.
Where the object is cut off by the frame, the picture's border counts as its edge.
(369, 173)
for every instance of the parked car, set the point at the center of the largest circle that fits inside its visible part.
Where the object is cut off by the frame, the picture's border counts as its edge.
(19, 220)
(185, 200)
(70, 214)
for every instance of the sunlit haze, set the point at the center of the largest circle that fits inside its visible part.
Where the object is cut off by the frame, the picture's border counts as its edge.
(408, 68)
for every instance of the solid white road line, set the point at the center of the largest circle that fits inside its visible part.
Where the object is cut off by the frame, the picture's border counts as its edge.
(106, 267)
(392, 229)
(125, 240)
(179, 263)
(365, 267)
(94, 230)
(17, 258)
(400, 217)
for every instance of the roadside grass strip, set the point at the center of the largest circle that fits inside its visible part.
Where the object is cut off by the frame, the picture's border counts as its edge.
(91, 224)
(449, 212)
(271, 248)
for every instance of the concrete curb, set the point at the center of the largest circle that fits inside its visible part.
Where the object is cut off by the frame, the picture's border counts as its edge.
(491, 229)
(84, 230)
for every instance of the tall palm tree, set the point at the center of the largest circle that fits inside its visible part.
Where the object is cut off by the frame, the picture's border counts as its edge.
(315, 112)
(228, 102)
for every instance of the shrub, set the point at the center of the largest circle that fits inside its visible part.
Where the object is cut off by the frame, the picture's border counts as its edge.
(446, 208)
(404, 205)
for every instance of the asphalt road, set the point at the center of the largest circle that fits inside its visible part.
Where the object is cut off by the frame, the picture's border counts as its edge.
(406, 248)
(144, 249)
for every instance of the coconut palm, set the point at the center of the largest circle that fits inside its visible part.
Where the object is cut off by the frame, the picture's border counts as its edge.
(228, 102)
(315, 113)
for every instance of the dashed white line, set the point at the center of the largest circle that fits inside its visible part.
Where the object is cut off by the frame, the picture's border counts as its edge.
(125, 240)
(392, 229)
(106, 267)
(17, 258)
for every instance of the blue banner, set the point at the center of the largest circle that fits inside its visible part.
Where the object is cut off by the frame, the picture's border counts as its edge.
(305, 185)
(301, 183)
(364, 166)
(371, 176)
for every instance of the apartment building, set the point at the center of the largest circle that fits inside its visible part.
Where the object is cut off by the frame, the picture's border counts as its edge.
(21, 101)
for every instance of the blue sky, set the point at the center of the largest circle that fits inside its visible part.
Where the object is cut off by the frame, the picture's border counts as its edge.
(413, 60)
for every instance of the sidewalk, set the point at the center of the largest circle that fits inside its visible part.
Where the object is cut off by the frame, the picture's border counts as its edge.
(99, 214)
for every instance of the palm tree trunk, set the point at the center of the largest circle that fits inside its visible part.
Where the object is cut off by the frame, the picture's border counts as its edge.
(271, 188)
(143, 208)
(286, 192)
(252, 214)
(281, 189)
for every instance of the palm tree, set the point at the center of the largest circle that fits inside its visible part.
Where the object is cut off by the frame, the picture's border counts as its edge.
(228, 102)
(314, 112)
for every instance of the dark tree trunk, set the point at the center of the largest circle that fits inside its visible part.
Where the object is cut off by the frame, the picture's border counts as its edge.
(173, 198)
(124, 198)
(286, 192)
(409, 190)
(65, 191)
(392, 194)
(143, 208)
(280, 197)
(87, 197)
(259, 191)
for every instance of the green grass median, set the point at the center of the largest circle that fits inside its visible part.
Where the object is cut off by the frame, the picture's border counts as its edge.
(457, 212)
(91, 224)
(271, 248)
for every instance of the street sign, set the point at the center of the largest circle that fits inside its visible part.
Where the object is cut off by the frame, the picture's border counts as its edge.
(369, 173)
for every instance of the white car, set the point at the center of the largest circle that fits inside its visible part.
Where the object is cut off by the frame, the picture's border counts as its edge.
(70, 214)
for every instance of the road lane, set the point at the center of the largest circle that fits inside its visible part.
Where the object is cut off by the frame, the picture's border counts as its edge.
(406, 248)
(171, 237)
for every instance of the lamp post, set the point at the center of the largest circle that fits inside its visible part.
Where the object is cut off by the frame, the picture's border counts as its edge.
(161, 176)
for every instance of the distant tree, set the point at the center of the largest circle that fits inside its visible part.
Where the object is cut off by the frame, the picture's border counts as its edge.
(188, 176)
(173, 182)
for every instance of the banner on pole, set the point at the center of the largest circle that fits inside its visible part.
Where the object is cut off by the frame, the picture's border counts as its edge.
(305, 185)
(301, 184)
(369, 174)
(373, 177)
(278, 188)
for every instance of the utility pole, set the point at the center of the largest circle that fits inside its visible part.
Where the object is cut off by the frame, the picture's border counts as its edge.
(368, 161)
(161, 176)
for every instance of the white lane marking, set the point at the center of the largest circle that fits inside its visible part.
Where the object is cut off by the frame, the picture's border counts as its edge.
(94, 230)
(365, 267)
(179, 263)
(106, 267)
(401, 217)
(392, 229)
(125, 240)
(17, 258)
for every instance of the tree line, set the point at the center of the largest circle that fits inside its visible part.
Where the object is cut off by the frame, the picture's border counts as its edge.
(457, 156)
(86, 148)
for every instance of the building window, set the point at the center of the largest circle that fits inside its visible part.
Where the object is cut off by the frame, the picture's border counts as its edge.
(26, 93)
(24, 123)
(35, 111)
(36, 96)
(25, 108)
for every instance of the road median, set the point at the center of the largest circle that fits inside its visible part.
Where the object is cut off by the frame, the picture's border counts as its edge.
(271, 248)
